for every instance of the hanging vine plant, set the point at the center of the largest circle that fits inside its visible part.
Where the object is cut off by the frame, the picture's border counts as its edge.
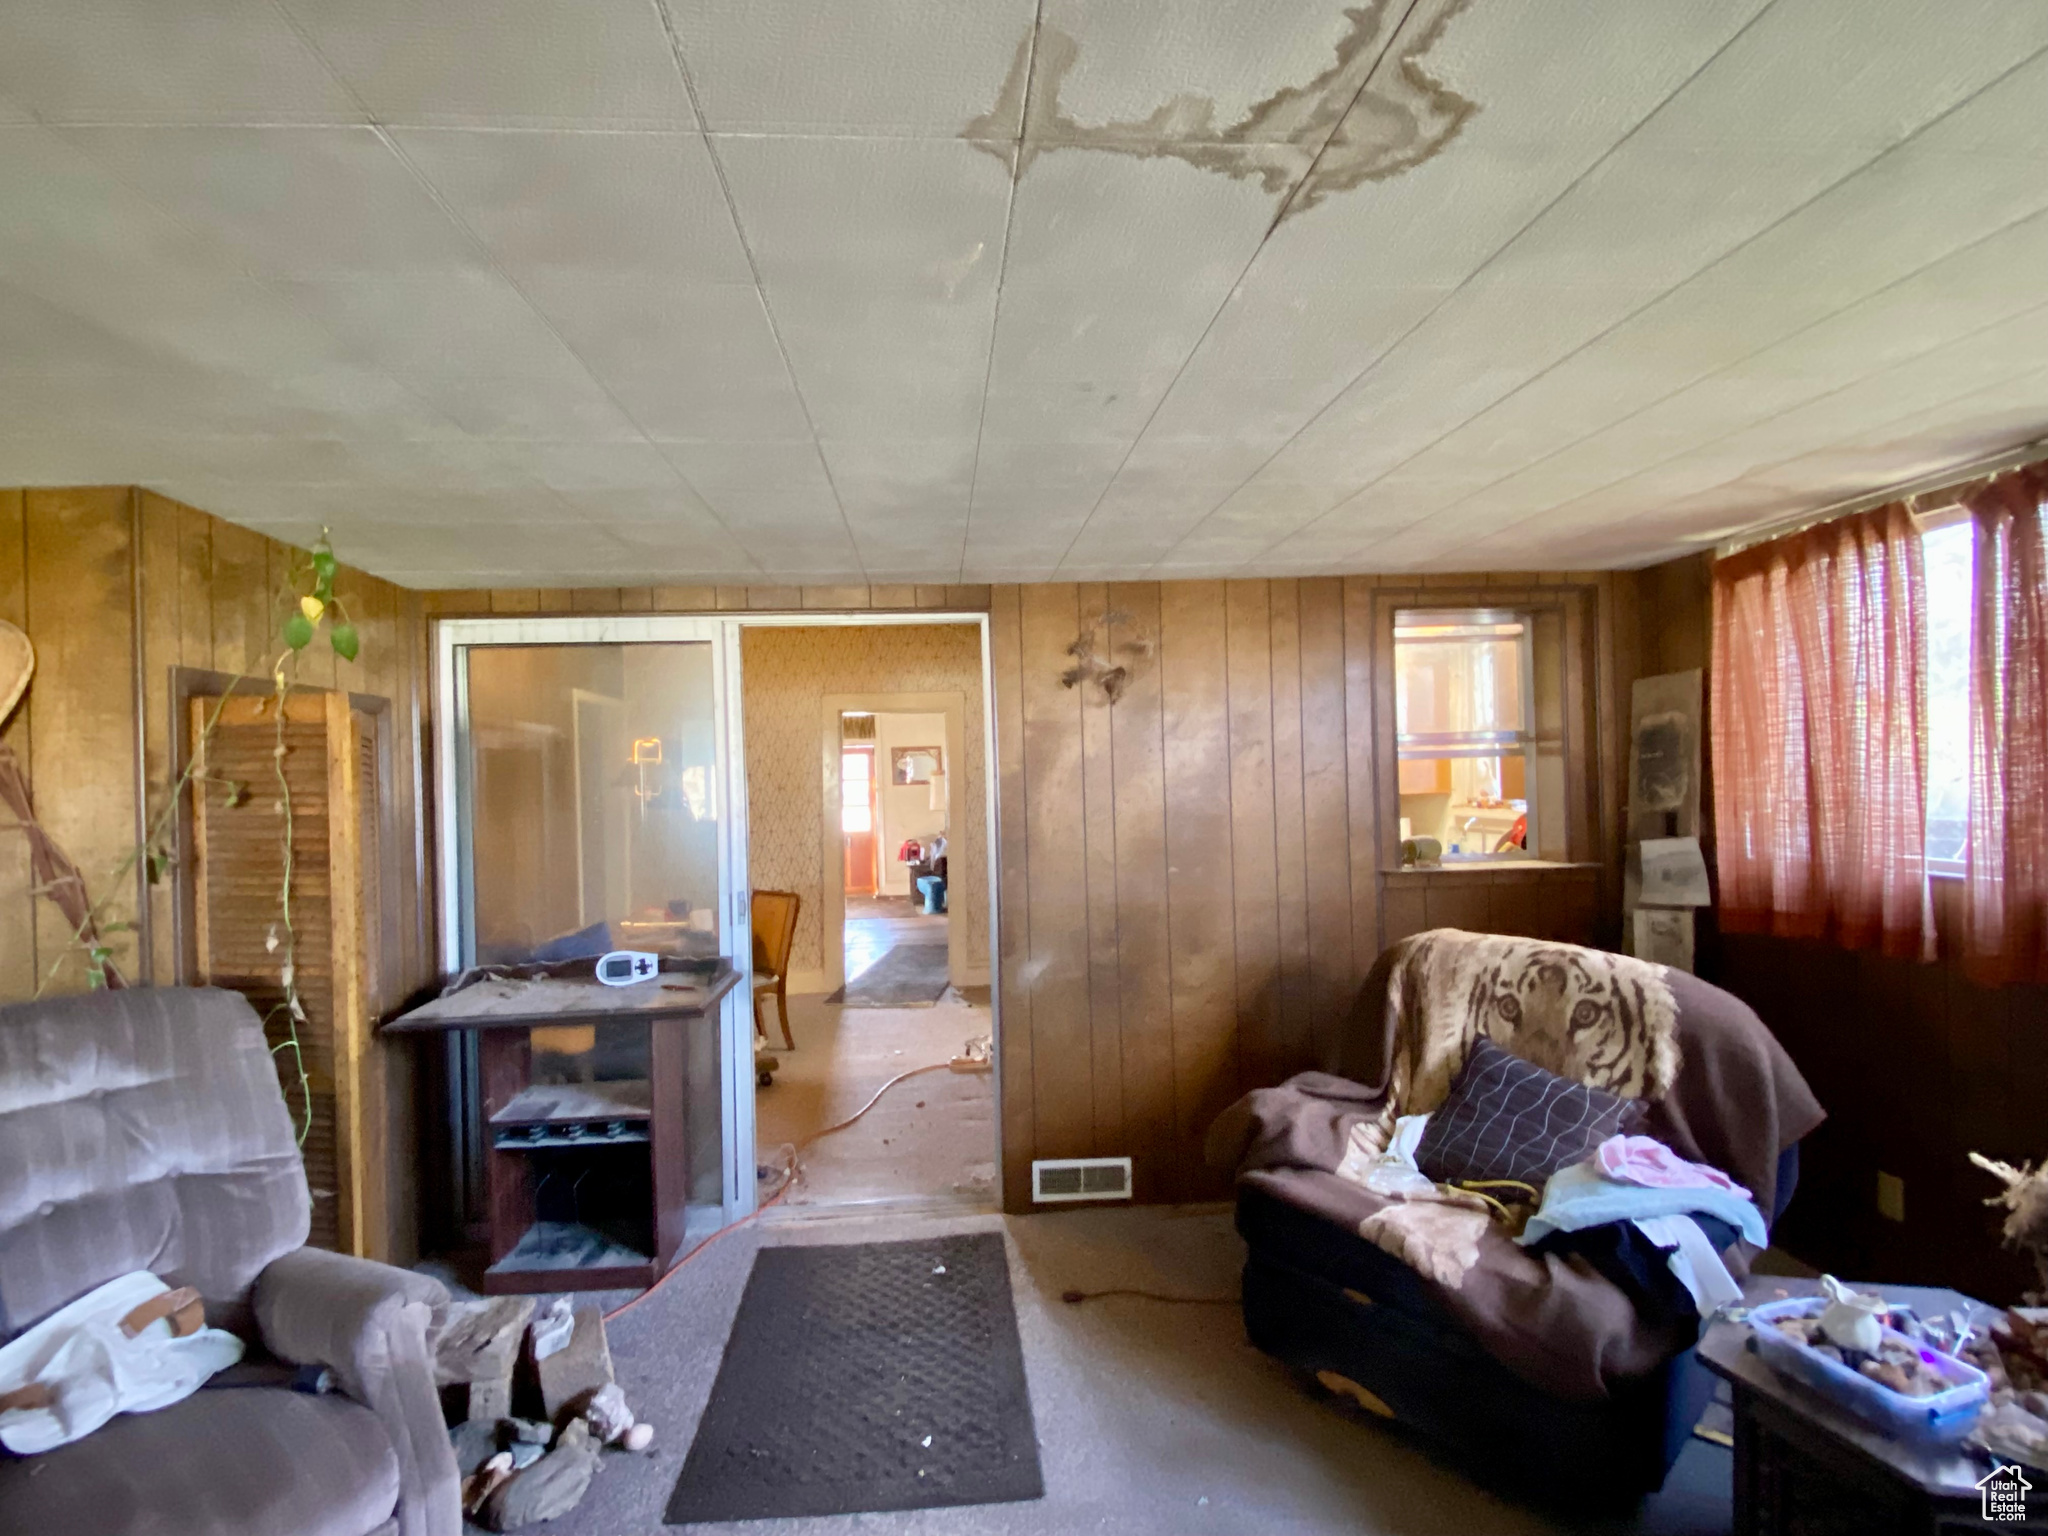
(309, 605)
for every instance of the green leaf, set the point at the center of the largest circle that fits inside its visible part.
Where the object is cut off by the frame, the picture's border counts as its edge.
(298, 631)
(345, 642)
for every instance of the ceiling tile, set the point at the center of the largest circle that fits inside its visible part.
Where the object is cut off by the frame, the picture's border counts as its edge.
(1217, 70)
(567, 406)
(918, 217)
(467, 320)
(795, 66)
(502, 62)
(685, 405)
(609, 203)
(293, 201)
(200, 61)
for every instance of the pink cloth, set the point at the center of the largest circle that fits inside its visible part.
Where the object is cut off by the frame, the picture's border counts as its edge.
(1645, 1161)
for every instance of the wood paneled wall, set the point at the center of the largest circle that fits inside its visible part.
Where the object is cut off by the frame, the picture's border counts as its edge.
(1190, 877)
(1189, 881)
(116, 587)
(1916, 1065)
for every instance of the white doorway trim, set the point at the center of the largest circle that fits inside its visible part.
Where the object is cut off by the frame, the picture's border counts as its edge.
(451, 638)
(953, 705)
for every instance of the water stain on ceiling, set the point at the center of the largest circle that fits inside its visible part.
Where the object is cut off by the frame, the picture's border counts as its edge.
(1373, 113)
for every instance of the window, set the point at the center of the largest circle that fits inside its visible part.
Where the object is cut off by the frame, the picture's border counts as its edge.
(1948, 554)
(1464, 723)
(856, 801)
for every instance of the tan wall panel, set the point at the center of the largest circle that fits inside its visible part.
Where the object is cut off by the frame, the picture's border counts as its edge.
(82, 709)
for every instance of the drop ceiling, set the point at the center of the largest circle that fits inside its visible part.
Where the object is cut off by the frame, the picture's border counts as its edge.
(616, 291)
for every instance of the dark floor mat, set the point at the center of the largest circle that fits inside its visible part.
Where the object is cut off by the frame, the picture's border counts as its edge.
(866, 1376)
(908, 976)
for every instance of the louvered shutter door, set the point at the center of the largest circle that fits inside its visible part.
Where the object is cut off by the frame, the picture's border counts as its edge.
(238, 872)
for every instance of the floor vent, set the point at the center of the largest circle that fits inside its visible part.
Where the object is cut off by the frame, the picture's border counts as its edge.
(1080, 1178)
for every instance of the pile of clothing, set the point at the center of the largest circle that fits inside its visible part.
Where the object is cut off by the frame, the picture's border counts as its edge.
(1650, 1221)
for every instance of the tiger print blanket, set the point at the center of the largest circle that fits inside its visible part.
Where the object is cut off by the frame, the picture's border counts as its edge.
(1606, 1020)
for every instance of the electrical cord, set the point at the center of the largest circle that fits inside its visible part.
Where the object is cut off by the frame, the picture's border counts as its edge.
(789, 1178)
(1075, 1298)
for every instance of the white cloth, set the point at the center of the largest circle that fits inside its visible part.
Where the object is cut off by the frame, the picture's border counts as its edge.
(1393, 1172)
(1692, 1258)
(94, 1370)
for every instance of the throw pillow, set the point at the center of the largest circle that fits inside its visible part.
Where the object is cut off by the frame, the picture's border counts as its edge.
(1507, 1118)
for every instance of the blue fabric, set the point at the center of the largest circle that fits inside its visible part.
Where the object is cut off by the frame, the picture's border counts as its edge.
(1582, 1196)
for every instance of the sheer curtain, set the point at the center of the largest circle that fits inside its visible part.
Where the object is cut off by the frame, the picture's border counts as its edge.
(1819, 735)
(2006, 900)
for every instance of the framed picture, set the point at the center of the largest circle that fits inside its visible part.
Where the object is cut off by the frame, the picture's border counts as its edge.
(915, 765)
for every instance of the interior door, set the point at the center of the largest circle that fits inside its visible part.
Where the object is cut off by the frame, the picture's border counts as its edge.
(857, 818)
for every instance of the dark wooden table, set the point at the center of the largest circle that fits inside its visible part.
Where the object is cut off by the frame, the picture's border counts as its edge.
(525, 1120)
(1806, 1467)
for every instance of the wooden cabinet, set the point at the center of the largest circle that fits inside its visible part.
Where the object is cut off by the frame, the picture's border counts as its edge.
(587, 1094)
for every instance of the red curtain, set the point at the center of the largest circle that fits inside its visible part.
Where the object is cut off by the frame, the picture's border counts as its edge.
(2006, 900)
(1819, 735)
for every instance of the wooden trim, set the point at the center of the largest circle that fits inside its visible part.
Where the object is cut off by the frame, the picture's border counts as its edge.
(350, 1023)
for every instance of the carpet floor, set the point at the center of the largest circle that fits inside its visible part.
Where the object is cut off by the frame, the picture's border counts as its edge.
(1152, 1420)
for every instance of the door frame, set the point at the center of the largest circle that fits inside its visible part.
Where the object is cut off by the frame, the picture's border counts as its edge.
(953, 705)
(450, 747)
(453, 873)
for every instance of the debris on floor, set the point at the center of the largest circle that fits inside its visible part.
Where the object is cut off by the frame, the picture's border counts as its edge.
(475, 1354)
(497, 1355)
(551, 1330)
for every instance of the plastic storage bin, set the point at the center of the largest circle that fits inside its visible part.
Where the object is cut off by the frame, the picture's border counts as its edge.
(1944, 1416)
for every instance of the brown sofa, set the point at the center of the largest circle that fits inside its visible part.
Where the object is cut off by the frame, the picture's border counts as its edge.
(144, 1129)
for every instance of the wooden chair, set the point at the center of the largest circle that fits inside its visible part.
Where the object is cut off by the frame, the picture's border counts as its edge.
(774, 922)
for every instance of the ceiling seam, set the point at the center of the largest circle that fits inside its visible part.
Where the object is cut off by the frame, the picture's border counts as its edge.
(1393, 36)
(482, 248)
(1733, 251)
(995, 321)
(732, 208)
(2020, 371)
(1790, 336)
(1469, 278)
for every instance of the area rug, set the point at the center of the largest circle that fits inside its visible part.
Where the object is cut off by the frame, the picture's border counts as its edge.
(908, 976)
(866, 1376)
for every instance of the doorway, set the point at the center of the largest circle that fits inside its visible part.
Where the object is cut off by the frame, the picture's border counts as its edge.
(894, 819)
(889, 970)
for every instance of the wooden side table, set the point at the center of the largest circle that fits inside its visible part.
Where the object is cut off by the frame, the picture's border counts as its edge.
(1806, 1467)
(586, 1094)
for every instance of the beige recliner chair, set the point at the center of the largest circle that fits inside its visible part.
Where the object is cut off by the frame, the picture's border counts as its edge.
(144, 1129)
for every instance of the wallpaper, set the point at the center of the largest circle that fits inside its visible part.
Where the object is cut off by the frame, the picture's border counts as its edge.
(788, 673)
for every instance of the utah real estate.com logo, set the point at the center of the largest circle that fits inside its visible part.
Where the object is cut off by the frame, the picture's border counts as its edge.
(2005, 1492)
